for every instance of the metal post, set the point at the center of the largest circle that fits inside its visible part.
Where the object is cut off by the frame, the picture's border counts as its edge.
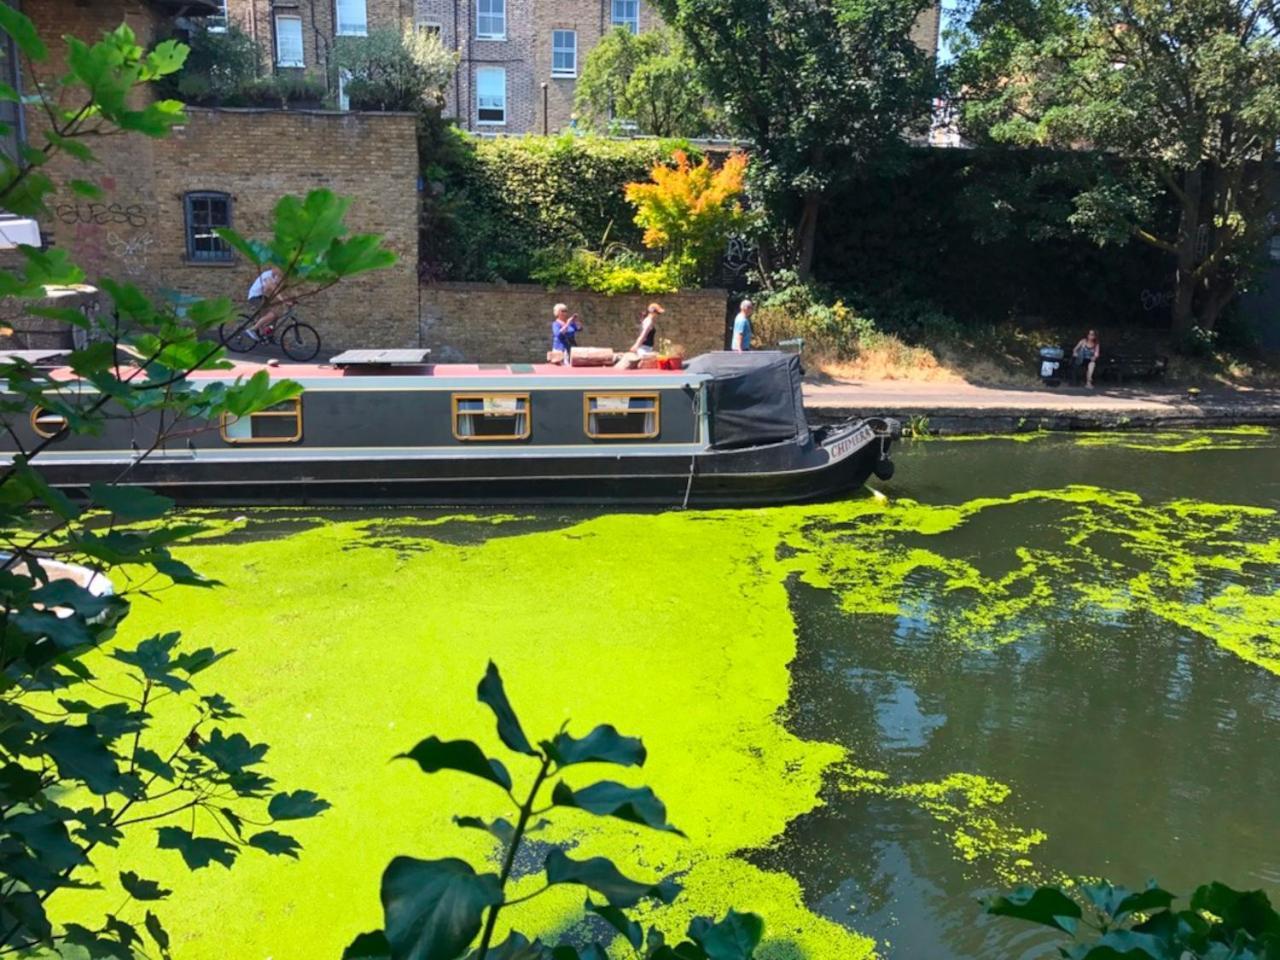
(544, 108)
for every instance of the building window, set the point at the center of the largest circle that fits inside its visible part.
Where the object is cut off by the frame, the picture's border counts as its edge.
(1275, 249)
(491, 416)
(564, 53)
(626, 13)
(205, 213)
(289, 42)
(353, 18)
(491, 19)
(491, 95)
(217, 22)
(281, 423)
(621, 416)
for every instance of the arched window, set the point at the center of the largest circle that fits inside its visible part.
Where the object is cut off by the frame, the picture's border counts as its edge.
(206, 211)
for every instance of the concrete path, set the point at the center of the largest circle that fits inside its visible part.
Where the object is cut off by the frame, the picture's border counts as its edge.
(967, 408)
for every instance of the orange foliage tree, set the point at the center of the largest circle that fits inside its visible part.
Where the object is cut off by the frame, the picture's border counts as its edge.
(689, 212)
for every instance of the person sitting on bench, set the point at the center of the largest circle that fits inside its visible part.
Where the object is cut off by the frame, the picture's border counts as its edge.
(1087, 354)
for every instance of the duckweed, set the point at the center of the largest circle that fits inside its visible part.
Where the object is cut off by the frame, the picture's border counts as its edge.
(360, 636)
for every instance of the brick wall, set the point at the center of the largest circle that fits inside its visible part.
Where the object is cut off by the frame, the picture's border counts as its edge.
(258, 156)
(496, 323)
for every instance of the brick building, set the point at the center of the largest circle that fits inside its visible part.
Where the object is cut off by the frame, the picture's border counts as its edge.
(154, 225)
(519, 60)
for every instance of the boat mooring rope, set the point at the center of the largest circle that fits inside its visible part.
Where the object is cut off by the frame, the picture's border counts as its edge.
(688, 487)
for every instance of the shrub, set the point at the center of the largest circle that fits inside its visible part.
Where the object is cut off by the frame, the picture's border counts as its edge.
(794, 309)
(689, 212)
(617, 270)
(219, 68)
(390, 70)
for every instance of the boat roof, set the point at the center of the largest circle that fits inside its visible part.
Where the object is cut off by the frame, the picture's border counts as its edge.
(510, 376)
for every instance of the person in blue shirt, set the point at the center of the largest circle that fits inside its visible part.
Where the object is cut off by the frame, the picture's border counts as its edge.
(564, 330)
(742, 327)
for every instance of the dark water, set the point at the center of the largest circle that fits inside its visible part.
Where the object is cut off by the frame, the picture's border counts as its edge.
(1139, 746)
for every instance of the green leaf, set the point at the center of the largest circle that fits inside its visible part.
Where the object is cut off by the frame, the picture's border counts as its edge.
(24, 913)
(500, 828)
(233, 754)
(141, 889)
(276, 844)
(609, 799)
(1249, 911)
(368, 946)
(492, 694)
(434, 754)
(619, 921)
(17, 784)
(602, 745)
(298, 805)
(1047, 905)
(733, 938)
(434, 908)
(158, 932)
(130, 503)
(47, 837)
(567, 952)
(23, 32)
(94, 945)
(1128, 945)
(517, 947)
(197, 852)
(599, 874)
(81, 755)
(85, 188)
(126, 933)
(1148, 900)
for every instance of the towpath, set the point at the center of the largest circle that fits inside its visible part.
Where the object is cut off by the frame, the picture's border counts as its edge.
(972, 408)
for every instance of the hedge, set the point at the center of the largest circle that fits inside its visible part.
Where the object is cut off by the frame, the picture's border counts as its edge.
(494, 205)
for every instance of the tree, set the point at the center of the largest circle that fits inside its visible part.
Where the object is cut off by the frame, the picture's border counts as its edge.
(388, 70)
(646, 79)
(1179, 99)
(690, 212)
(818, 86)
(435, 909)
(85, 761)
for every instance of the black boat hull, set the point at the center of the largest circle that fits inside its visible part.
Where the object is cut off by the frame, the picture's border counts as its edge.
(841, 460)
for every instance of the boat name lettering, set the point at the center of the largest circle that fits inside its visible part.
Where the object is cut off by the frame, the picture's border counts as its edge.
(846, 446)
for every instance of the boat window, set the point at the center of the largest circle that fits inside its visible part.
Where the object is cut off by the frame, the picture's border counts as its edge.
(281, 423)
(491, 416)
(621, 416)
(46, 423)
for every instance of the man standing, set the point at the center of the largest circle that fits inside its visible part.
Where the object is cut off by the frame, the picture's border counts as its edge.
(742, 327)
(564, 330)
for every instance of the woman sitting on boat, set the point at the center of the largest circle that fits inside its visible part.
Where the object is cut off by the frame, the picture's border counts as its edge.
(648, 330)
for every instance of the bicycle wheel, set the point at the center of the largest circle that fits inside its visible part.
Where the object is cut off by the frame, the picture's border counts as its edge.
(237, 342)
(299, 341)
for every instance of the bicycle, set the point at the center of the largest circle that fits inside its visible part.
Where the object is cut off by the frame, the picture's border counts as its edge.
(298, 340)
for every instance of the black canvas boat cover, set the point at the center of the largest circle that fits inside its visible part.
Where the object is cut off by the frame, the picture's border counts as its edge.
(754, 397)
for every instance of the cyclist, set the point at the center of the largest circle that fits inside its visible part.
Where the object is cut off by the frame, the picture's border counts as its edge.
(262, 292)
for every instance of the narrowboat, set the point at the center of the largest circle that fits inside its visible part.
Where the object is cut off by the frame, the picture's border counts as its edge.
(390, 427)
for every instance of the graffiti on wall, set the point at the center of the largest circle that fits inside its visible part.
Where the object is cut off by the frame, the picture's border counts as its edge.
(101, 214)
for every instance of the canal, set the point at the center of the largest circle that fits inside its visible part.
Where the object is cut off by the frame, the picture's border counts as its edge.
(1038, 658)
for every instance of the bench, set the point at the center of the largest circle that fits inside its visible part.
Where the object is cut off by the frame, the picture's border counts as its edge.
(1120, 366)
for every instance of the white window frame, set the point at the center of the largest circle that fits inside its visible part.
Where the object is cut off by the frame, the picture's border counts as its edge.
(497, 9)
(302, 48)
(217, 22)
(572, 50)
(502, 71)
(631, 23)
(353, 28)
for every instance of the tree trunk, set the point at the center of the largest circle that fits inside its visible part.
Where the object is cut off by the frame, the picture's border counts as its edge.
(807, 235)
(1184, 288)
